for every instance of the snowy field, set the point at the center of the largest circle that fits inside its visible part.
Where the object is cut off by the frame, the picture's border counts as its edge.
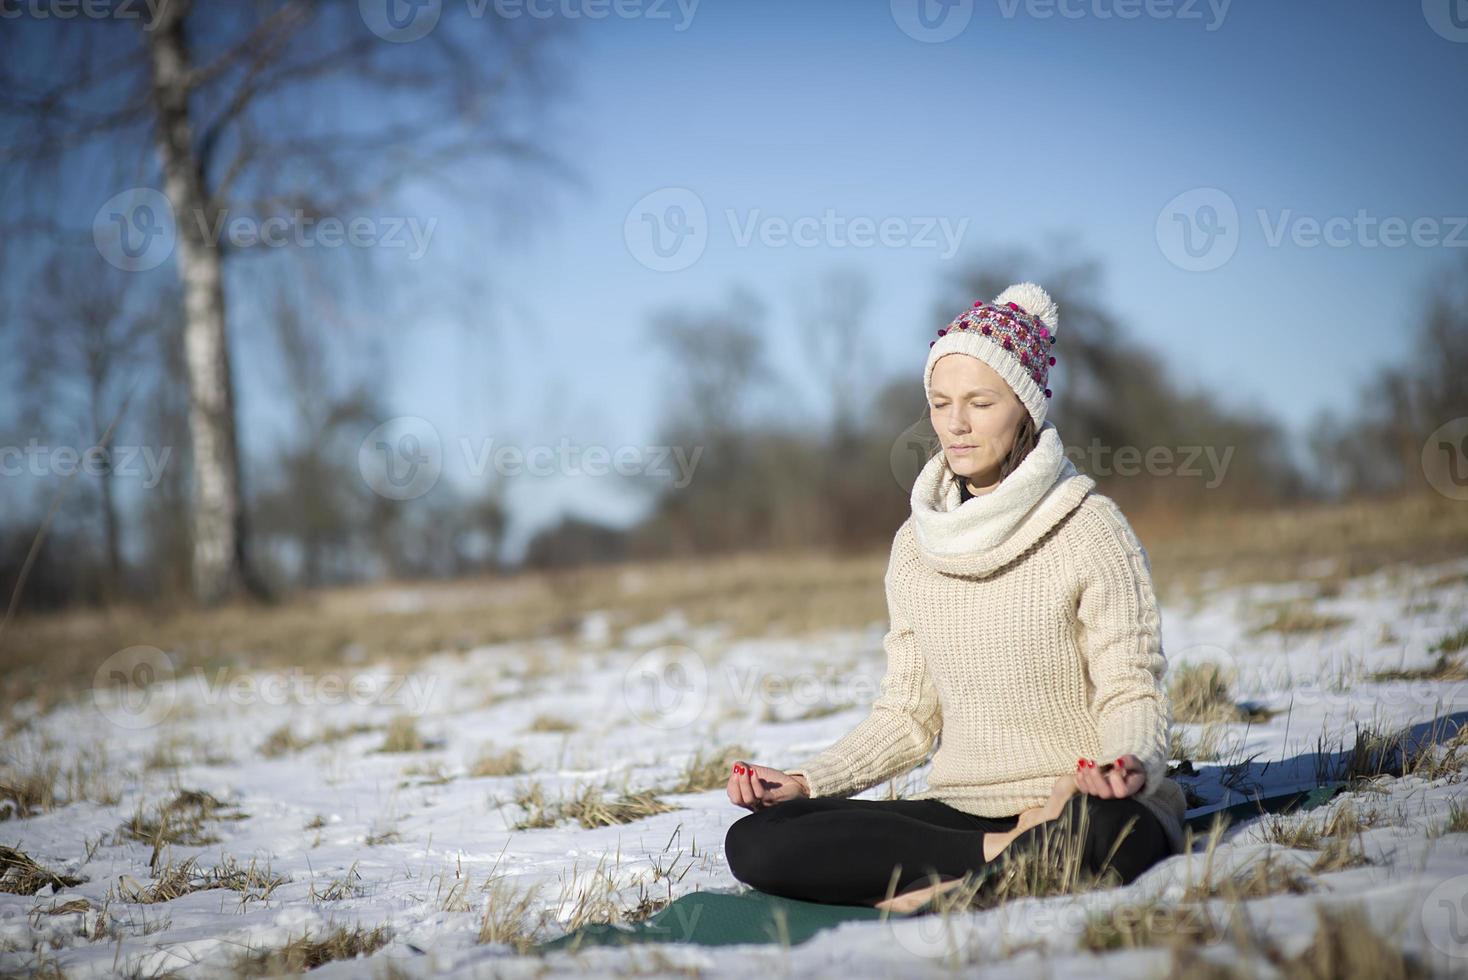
(220, 823)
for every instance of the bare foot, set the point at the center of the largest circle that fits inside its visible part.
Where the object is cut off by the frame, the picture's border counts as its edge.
(1063, 789)
(916, 897)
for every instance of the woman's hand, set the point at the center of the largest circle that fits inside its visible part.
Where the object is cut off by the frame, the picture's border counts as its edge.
(1111, 780)
(753, 787)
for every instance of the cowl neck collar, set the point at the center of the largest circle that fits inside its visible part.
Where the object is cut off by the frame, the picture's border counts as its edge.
(981, 534)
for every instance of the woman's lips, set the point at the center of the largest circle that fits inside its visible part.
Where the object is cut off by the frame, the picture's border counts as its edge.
(960, 449)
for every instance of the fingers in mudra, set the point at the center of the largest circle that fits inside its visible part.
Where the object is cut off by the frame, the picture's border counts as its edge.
(1110, 780)
(753, 786)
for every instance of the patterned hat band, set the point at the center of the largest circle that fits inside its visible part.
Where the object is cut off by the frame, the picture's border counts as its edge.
(1015, 335)
(1016, 330)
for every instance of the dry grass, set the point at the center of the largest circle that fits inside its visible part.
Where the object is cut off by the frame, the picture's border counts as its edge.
(1267, 876)
(1457, 822)
(20, 875)
(284, 740)
(1296, 617)
(40, 784)
(307, 952)
(1193, 550)
(708, 769)
(588, 806)
(1205, 746)
(754, 594)
(1454, 642)
(1151, 924)
(182, 820)
(402, 736)
(1447, 667)
(252, 882)
(348, 885)
(507, 915)
(491, 762)
(550, 723)
(1376, 755)
(1346, 946)
(1201, 694)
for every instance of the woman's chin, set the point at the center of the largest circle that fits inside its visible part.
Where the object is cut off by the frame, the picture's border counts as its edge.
(965, 464)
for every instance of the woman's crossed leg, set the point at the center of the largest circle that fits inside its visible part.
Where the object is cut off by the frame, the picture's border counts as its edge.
(848, 852)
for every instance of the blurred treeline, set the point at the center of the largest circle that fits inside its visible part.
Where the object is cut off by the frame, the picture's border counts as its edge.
(829, 475)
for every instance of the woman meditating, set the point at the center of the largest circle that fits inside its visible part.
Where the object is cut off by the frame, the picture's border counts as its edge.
(1024, 643)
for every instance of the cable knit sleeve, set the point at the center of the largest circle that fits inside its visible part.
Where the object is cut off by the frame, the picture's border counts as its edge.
(1122, 639)
(902, 727)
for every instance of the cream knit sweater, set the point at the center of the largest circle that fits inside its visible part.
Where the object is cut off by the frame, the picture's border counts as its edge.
(1024, 635)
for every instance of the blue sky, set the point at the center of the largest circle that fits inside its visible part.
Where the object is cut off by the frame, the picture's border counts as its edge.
(1023, 127)
(1020, 130)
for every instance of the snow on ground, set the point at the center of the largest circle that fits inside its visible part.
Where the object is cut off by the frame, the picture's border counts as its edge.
(408, 840)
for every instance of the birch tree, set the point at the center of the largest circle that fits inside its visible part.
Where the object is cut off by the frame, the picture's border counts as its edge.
(261, 110)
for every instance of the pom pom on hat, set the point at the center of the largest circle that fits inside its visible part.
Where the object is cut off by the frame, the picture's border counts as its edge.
(1035, 302)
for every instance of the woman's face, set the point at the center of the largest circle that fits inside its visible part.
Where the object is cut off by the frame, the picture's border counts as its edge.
(975, 414)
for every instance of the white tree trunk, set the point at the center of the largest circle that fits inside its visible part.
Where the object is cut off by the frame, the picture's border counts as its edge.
(216, 507)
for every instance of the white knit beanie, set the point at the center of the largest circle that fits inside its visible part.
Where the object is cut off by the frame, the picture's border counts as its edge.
(1014, 335)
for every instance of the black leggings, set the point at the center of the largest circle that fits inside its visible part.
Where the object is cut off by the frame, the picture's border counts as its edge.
(842, 851)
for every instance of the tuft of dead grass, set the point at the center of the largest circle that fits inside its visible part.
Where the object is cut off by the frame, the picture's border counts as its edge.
(308, 952)
(588, 806)
(40, 784)
(491, 762)
(284, 740)
(21, 875)
(183, 820)
(1447, 667)
(402, 736)
(708, 769)
(1153, 923)
(1267, 876)
(252, 882)
(507, 915)
(550, 723)
(1296, 617)
(1200, 694)
(1455, 642)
